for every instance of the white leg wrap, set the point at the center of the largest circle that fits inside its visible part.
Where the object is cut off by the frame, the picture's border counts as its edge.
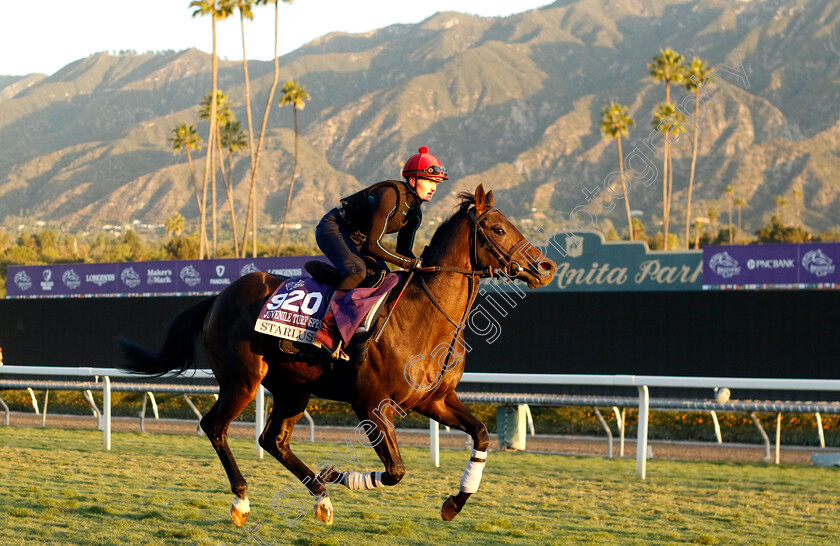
(243, 505)
(362, 480)
(472, 474)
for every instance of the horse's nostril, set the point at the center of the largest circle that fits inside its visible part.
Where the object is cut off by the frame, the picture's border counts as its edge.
(546, 266)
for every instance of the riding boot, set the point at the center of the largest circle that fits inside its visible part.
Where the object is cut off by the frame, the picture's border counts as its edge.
(328, 335)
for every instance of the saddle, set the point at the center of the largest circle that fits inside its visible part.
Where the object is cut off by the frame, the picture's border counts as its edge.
(369, 296)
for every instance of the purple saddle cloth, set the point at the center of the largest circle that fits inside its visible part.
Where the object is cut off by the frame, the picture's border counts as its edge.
(350, 310)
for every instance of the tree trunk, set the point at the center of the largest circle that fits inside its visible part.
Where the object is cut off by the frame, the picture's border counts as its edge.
(291, 184)
(627, 193)
(229, 188)
(252, 197)
(691, 176)
(208, 160)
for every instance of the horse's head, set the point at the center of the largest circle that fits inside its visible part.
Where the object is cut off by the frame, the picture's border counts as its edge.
(500, 245)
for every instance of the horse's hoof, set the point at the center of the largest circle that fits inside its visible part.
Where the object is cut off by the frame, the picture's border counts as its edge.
(449, 509)
(324, 511)
(238, 516)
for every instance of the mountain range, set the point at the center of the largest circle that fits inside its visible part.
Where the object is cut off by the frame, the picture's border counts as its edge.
(511, 102)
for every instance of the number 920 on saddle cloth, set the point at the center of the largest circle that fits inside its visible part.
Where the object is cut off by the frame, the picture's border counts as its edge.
(296, 309)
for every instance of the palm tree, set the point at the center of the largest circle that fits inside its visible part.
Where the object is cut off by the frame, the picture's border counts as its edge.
(667, 67)
(216, 12)
(614, 123)
(781, 202)
(184, 137)
(739, 204)
(730, 192)
(175, 224)
(696, 74)
(796, 197)
(713, 214)
(233, 139)
(698, 227)
(669, 120)
(224, 115)
(295, 94)
(253, 192)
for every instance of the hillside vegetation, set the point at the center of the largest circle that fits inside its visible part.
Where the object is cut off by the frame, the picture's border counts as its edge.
(512, 102)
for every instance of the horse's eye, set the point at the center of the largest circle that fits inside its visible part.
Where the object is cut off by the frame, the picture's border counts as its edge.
(498, 231)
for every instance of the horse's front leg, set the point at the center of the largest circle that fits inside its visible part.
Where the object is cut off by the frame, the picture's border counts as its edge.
(376, 430)
(451, 412)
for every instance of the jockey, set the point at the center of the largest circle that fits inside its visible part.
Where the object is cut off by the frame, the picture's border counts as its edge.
(357, 225)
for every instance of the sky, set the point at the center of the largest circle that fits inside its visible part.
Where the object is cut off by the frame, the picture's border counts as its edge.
(46, 35)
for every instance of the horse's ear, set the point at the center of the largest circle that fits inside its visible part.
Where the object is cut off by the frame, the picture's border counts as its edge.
(490, 201)
(480, 197)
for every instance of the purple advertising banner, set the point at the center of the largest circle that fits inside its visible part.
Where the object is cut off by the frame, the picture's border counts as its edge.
(771, 266)
(179, 277)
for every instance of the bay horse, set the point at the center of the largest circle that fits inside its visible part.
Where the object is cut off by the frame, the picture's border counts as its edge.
(415, 364)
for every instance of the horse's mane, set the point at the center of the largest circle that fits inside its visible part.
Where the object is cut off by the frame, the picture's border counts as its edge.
(445, 229)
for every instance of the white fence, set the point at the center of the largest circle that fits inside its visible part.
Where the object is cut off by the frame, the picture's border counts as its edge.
(641, 382)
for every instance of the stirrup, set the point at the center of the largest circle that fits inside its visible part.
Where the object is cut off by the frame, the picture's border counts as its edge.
(339, 353)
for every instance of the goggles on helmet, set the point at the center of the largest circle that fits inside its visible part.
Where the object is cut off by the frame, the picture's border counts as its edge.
(431, 170)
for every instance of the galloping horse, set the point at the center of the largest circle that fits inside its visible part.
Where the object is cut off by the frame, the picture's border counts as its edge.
(415, 365)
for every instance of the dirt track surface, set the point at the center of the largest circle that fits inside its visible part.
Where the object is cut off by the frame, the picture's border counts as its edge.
(569, 445)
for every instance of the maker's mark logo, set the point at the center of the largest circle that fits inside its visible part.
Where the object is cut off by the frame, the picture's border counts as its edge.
(817, 263)
(23, 281)
(724, 265)
(190, 276)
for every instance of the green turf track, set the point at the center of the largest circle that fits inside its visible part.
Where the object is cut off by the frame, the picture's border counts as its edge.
(60, 487)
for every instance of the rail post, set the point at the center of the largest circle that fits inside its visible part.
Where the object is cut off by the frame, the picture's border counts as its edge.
(642, 433)
(106, 407)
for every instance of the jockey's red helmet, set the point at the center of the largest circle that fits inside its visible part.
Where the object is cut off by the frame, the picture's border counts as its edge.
(424, 165)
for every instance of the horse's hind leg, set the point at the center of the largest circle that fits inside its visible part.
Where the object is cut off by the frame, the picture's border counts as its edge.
(452, 413)
(287, 410)
(215, 424)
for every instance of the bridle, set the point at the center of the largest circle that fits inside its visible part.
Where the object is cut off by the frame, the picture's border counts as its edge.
(507, 265)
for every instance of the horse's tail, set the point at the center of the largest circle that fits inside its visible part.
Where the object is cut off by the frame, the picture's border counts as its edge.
(178, 351)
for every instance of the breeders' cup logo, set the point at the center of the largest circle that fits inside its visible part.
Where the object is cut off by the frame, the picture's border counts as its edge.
(22, 280)
(130, 277)
(248, 268)
(574, 246)
(71, 279)
(724, 265)
(190, 276)
(817, 263)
